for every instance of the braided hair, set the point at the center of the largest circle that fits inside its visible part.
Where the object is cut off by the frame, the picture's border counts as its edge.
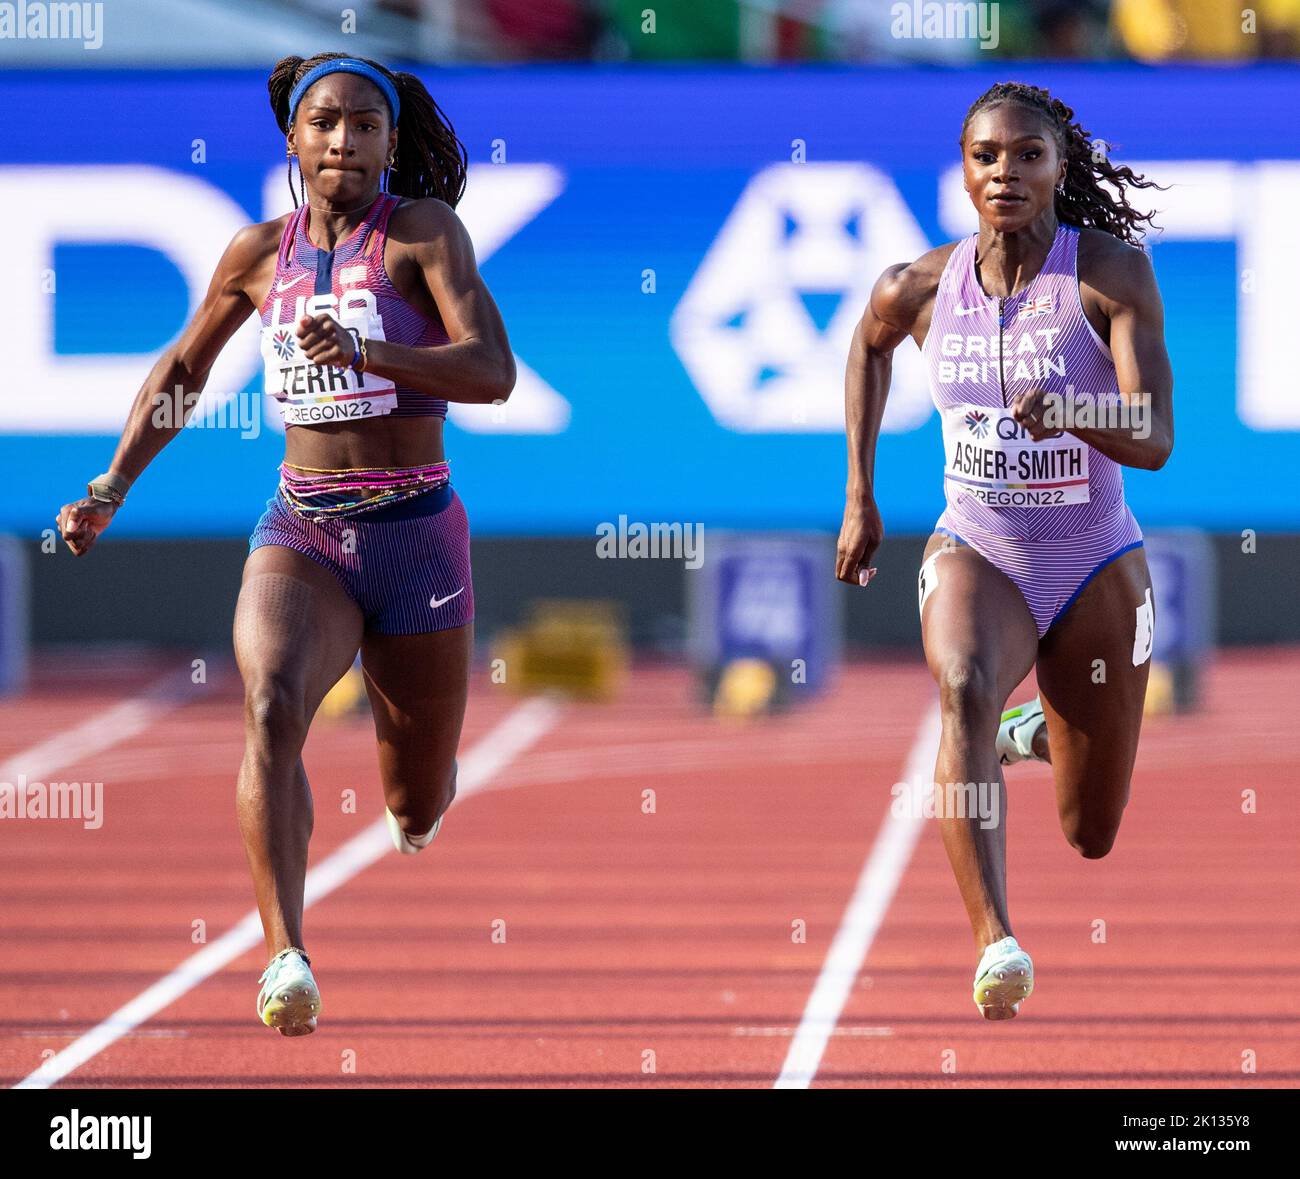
(430, 160)
(1084, 202)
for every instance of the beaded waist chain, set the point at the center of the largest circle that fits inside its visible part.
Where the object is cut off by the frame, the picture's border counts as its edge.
(317, 494)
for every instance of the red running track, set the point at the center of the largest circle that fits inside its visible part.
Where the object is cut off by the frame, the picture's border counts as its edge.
(660, 940)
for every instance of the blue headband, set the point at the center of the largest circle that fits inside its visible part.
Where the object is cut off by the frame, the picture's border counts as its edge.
(343, 65)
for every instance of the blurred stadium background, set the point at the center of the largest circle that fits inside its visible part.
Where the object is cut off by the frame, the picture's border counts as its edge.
(249, 32)
(680, 207)
(678, 291)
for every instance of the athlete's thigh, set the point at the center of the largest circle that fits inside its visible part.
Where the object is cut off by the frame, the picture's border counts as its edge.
(974, 619)
(296, 629)
(1092, 678)
(418, 686)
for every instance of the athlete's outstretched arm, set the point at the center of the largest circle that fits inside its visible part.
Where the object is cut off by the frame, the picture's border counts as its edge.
(477, 366)
(1131, 300)
(171, 390)
(884, 325)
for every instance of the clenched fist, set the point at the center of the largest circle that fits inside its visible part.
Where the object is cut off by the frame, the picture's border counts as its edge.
(1030, 409)
(81, 523)
(860, 537)
(326, 341)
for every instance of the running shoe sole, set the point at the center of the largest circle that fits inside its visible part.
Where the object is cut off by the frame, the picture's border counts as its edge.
(291, 1007)
(1000, 989)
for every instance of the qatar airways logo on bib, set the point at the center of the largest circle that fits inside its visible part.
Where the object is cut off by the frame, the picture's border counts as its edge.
(978, 360)
(1006, 428)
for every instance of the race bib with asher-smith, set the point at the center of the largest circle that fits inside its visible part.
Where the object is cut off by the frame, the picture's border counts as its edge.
(992, 457)
(311, 393)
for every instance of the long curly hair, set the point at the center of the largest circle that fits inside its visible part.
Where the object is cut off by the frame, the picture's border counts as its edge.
(430, 160)
(1085, 202)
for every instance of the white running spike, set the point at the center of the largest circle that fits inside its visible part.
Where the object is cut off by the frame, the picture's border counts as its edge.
(1016, 733)
(408, 845)
(995, 995)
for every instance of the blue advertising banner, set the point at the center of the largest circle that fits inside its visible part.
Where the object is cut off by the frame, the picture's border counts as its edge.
(680, 255)
(767, 597)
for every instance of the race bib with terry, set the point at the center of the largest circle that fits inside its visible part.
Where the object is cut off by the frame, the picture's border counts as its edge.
(991, 456)
(309, 393)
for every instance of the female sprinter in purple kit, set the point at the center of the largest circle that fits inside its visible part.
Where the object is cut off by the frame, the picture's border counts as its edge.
(373, 317)
(1036, 562)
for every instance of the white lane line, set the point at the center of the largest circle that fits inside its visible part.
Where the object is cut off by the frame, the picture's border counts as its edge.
(881, 873)
(103, 731)
(510, 737)
(780, 1031)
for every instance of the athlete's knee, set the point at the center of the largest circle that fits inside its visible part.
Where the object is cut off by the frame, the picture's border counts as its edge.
(1094, 847)
(966, 691)
(418, 802)
(275, 709)
(1092, 839)
(417, 810)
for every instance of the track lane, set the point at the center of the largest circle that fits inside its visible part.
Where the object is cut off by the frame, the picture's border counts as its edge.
(1201, 959)
(671, 932)
(625, 932)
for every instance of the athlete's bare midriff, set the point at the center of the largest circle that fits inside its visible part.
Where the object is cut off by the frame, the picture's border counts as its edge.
(405, 442)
